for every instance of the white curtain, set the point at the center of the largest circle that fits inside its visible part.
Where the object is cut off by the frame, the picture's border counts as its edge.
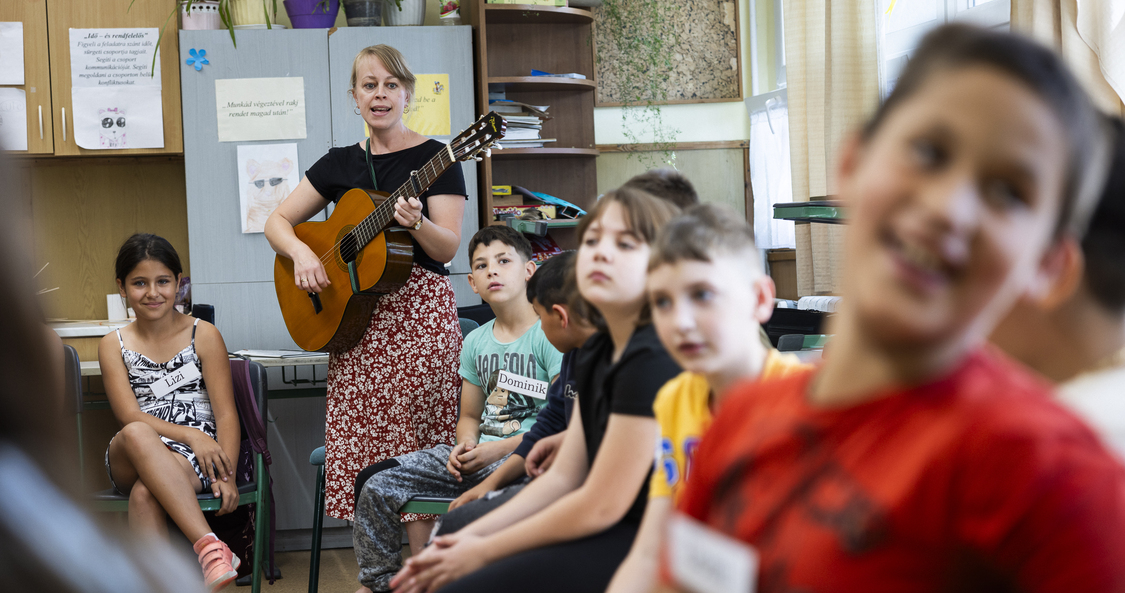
(771, 176)
(1090, 36)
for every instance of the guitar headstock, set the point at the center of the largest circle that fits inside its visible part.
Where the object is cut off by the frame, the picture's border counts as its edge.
(479, 137)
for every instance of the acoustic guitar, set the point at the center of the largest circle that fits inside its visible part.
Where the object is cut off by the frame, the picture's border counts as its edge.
(364, 251)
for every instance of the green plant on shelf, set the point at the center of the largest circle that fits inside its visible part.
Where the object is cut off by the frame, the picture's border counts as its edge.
(642, 35)
(224, 16)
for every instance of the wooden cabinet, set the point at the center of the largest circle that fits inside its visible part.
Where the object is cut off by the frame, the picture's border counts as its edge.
(36, 69)
(47, 24)
(513, 39)
(63, 15)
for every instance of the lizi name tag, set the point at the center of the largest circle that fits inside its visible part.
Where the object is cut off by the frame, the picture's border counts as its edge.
(175, 379)
(522, 385)
(705, 561)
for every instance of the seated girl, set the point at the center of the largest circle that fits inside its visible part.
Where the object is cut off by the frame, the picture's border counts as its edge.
(569, 529)
(168, 381)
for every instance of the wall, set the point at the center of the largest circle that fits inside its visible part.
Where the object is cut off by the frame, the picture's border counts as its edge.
(706, 122)
(83, 208)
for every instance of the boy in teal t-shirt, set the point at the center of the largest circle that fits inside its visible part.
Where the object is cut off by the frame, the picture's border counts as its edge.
(530, 363)
(506, 365)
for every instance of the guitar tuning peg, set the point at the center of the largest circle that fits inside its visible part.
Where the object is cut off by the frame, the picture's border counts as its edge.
(488, 152)
(497, 146)
(477, 159)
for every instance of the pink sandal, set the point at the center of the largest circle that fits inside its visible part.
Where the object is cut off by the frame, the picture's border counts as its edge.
(220, 565)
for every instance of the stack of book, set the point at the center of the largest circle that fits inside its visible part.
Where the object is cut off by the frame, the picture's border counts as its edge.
(525, 123)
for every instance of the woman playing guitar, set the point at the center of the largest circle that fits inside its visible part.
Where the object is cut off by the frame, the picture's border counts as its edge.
(396, 390)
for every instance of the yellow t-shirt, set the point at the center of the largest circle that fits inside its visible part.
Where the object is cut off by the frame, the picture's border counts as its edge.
(682, 409)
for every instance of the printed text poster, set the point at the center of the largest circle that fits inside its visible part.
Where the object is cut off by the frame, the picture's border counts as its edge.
(251, 109)
(114, 91)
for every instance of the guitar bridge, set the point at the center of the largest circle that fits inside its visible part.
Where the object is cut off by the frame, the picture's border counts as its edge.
(315, 298)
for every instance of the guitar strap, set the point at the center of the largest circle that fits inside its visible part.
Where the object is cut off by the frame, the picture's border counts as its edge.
(370, 167)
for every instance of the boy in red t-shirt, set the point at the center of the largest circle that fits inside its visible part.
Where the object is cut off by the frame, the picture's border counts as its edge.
(914, 459)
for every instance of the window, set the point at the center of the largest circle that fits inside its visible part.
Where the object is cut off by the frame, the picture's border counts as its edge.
(903, 23)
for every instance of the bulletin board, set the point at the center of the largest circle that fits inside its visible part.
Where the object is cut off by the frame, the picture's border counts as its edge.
(705, 61)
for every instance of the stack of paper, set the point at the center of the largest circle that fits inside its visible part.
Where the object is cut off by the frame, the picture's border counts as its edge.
(525, 123)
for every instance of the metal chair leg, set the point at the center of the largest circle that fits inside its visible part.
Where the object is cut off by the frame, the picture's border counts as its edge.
(318, 524)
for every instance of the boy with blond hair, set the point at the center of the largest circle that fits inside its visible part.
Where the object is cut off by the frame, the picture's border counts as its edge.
(709, 297)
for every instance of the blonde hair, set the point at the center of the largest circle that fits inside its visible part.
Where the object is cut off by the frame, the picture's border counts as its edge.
(392, 60)
(702, 233)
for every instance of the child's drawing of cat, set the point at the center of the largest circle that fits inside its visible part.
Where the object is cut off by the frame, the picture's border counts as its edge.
(269, 186)
(112, 134)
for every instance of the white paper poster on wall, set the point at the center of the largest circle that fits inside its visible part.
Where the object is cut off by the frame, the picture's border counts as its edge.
(11, 53)
(266, 175)
(13, 119)
(250, 109)
(115, 97)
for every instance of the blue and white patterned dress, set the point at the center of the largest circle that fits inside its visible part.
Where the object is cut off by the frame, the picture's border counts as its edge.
(188, 405)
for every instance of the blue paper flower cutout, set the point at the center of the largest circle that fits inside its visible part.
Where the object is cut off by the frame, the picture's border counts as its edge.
(198, 59)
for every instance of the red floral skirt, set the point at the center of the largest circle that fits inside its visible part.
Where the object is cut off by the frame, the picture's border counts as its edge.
(396, 391)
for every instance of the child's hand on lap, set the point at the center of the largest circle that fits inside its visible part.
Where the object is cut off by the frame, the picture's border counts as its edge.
(542, 455)
(481, 456)
(211, 457)
(450, 558)
(472, 494)
(229, 493)
(454, 463)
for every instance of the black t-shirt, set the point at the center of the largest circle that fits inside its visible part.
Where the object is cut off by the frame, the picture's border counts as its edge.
(345, 168)
(628, 387)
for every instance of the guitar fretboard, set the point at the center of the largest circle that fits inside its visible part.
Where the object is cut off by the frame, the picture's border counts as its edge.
(384, 215)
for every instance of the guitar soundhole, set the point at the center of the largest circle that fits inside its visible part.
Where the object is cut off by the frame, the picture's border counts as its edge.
(347, 248)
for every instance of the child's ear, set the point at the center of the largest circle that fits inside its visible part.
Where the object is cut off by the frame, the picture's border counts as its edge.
(850, 154)
(121, 287)
(1059, 274)
(564, 315)
(472, 284)
(530, 268)
(764, 291)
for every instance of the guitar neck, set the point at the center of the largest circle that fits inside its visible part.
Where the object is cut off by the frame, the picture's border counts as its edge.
(384, 216)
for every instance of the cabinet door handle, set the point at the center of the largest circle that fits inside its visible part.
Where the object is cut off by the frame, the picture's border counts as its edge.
(40, 122)
(64, 124)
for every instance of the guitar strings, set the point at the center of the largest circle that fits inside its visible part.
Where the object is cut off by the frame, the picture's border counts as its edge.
(365, 224)
(368, 223)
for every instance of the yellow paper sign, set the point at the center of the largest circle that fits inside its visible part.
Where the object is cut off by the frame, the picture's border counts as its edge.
(429, 109)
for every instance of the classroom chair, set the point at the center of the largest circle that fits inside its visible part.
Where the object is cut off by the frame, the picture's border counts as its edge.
(72, 387)
(425, 505)
(256, 491)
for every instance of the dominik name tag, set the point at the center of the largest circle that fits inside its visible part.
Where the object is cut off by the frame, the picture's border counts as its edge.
(706, 561)
(175, 379)
(522, 385)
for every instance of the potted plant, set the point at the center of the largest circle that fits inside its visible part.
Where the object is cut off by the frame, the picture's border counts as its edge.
(202, 15)
(312, 14)
(232, 13)
(363, 13)
(410, 12)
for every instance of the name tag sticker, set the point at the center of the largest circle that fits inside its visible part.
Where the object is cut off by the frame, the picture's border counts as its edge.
(522, 385)
(175, 379)
(706, 561)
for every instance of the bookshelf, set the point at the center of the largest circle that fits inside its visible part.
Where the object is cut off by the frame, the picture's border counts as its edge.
(511, 40)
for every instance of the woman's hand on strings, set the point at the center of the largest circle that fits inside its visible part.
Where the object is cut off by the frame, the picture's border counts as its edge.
(308, 271)
(408, 211)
